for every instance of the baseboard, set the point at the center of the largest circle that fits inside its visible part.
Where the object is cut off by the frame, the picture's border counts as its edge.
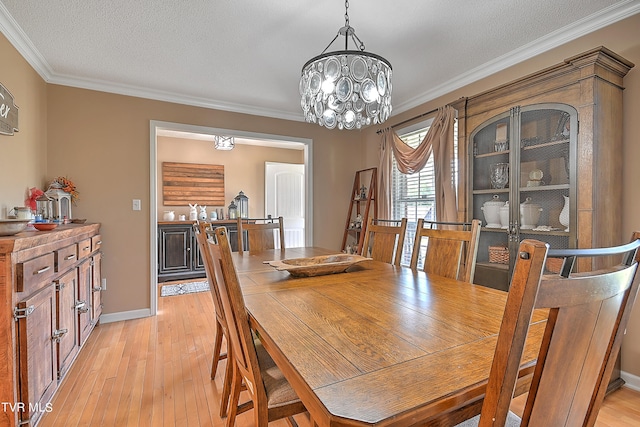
(631, 381)
(125, 315)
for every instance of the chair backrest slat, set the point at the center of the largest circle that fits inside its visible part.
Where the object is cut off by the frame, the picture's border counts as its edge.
(452, 248)
(384, 240)
(261, 233)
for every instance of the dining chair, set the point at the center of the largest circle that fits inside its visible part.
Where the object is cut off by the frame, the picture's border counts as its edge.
(260, 233)
(384, 239)
(272, 397)
(201, 230)
(451, 250)
(588, 314)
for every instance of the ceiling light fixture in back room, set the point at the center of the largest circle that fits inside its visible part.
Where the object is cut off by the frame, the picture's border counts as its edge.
(224, 142)
(346, 88)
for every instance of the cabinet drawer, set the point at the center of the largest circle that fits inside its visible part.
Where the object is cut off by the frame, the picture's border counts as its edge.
(34, 273)
(96, 242)
(66, 257)
(84, 248)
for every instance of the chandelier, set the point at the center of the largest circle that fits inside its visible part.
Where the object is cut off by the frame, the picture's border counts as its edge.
(223, 142)
(346, 88)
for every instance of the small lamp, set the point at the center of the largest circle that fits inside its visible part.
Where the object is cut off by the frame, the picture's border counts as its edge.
(242, 202)
(233, 210)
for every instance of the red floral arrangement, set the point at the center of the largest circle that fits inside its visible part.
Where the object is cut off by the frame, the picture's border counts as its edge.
(34, 193)
(66, 185)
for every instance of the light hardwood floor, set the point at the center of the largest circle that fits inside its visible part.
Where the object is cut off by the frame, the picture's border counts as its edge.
(155, 372)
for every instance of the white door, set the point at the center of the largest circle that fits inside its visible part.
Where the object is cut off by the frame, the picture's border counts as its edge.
(284, 196)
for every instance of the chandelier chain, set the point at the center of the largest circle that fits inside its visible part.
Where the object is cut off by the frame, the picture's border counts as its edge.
(346, 13)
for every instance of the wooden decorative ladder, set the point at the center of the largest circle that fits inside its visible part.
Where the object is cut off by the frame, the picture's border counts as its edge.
(363, 200)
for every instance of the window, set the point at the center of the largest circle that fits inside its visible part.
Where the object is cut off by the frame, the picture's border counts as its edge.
(413, 195)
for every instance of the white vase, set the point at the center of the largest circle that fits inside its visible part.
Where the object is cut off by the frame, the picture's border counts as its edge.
(564, 214)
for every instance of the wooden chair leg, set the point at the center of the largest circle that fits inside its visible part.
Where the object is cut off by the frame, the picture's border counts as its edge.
(217, 346)
(292, 421)
(226, 388)
(236, 383)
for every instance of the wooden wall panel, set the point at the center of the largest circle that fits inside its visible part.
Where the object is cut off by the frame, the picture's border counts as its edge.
(184, 183)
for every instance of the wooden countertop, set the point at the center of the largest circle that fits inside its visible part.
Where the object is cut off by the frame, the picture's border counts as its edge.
(31, 238)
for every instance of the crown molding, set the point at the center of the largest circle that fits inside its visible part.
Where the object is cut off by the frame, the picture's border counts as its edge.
(580, 28)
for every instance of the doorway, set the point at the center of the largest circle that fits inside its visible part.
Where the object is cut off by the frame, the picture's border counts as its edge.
(251, 138)
(285, 197)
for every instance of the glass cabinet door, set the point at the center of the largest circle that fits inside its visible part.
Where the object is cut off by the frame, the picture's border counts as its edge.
(523, 171)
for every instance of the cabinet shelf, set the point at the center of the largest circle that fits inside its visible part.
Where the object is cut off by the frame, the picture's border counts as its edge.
(492, 154)
(524, 189)
(546, 188)
(492, 191)
(545, 233)
(546, 144)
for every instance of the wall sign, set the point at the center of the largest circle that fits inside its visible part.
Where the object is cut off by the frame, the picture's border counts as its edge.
(8, 112)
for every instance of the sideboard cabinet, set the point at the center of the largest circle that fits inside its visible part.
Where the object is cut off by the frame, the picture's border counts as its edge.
(179, 255)
(556, 135)
(50, 302)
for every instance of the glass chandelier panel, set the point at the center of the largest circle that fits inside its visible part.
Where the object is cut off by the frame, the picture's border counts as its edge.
(223, 142)
(347, 89)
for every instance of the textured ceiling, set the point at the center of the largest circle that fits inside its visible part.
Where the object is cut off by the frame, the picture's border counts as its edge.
(246, 55)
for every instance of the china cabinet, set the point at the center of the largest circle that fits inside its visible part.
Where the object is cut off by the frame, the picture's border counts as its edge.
(550, 144)
(520, 181)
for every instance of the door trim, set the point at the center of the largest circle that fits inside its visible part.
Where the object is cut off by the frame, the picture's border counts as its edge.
(155, 125)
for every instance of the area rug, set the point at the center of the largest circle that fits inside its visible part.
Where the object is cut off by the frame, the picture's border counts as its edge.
(184, 288)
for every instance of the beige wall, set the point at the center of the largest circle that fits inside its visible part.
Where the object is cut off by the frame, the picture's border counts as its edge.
(22, 156)
(624, 39)
(102, 141)
(244, 168)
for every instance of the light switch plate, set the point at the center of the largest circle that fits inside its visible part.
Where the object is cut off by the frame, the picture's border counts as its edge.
(136, 204)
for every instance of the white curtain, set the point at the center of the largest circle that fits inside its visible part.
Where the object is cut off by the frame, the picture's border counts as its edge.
(439, 140)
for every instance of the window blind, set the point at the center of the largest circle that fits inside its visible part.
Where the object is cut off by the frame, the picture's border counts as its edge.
(413, 195)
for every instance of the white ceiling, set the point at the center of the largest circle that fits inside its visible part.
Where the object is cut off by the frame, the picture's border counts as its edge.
(246, 55)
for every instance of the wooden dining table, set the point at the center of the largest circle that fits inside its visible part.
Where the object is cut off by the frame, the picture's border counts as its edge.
(379, 345)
